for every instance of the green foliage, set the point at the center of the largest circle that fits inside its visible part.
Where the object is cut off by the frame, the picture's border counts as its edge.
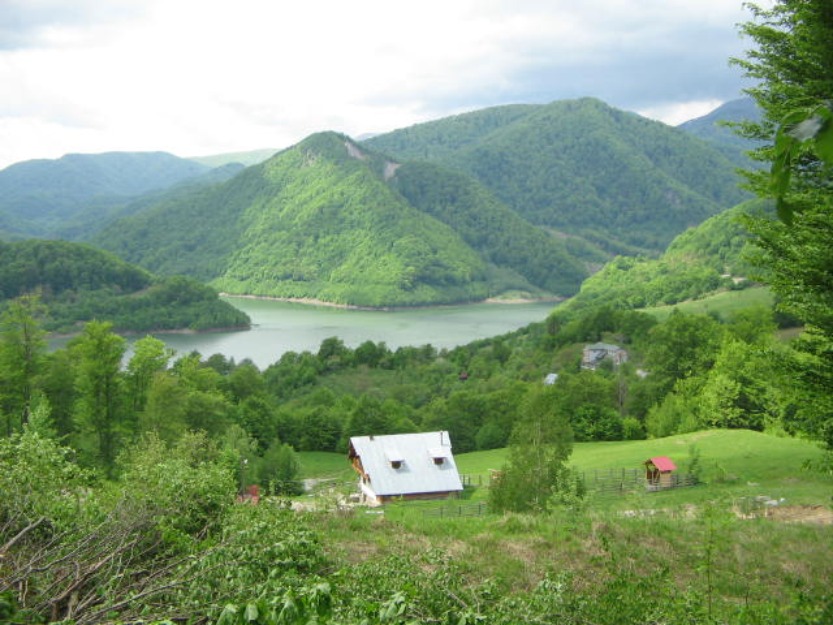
(799, 131)
(500, 235)
(22, 348)
(279, 470)
(700, 261)
(315, 221)
(793, 65)
(100, 409)
(540, 445)
(39, 482)
(634, 182)
(79, 283)
(191, 480)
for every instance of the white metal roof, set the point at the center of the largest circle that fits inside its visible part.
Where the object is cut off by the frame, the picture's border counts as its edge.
(415, 454)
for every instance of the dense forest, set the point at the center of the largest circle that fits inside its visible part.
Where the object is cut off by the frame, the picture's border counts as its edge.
(75, 283)
(329, 221)
(122, 480)
(582, 167)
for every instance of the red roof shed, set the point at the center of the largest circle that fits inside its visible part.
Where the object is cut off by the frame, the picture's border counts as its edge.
(663, 463)
(658, 472)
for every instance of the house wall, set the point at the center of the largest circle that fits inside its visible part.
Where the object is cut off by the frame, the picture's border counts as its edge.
(416, 496)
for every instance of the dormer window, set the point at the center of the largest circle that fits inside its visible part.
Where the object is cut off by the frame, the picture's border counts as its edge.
(439, 455)
(394, 457)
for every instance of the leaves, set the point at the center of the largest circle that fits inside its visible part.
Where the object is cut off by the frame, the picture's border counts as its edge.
(801, 131)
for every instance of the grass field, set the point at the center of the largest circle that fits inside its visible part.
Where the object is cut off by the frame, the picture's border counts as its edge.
(722, 304)
(694, 540)
(733, 463)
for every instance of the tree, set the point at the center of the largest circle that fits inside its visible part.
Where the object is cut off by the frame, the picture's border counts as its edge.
(682, 346)
(99, 407)
(539, 447)
(149, 357)
(164, 413)
(22, 347)
(793, 62)
(58, 383)
(279, 469)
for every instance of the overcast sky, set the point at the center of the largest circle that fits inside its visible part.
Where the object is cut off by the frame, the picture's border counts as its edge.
(198, 77)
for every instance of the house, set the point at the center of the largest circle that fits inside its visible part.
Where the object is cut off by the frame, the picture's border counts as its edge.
(593, 355)
(407, 466)
(659, 473)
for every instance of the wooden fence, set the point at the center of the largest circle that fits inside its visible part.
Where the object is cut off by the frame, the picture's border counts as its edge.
(457, 510)
(622, 481)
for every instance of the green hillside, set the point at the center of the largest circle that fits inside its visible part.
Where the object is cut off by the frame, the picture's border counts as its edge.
(40, 197)
(699, 261)
(500, 235)
(331, 221)
(582, 167)
(78, 283)
(328, 227)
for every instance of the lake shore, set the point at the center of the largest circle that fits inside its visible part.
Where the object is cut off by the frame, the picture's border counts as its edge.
(306, 301)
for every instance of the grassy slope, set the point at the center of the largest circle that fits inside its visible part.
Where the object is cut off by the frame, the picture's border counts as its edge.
(734, 462)
(722, 304)
(688, 539)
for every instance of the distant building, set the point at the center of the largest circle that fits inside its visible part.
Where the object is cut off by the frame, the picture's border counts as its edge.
(593, 355)
(408, 466)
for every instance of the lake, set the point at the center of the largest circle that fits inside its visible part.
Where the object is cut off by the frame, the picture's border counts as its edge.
(279, 327)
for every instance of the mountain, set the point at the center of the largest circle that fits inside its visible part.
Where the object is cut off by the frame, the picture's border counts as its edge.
(581, 167)
(330, 220)
(247, 159)
(40, 197)
(716, 129)
(79, 283)
(498, 234)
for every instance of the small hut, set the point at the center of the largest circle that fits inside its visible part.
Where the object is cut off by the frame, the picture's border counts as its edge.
(659, 473)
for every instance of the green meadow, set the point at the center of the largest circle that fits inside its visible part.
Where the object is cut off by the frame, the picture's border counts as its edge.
(710, 547)
(732, 463)
(722, 304)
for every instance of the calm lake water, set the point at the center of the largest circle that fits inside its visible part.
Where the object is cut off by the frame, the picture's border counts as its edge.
(279, 327)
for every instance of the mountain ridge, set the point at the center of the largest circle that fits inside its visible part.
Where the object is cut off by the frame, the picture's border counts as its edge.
(582, 167)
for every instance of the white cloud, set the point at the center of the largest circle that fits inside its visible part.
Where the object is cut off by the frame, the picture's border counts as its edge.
(678, 112)
(196, 77)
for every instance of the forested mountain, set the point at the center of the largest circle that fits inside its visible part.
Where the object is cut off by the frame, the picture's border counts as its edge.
(520, 198)
(582, 167)
(40, 197)
(713, 128)
(329, 220)
(500, 235)
(77, 283)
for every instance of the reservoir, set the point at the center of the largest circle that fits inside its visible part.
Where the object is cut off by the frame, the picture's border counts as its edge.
(279, 327)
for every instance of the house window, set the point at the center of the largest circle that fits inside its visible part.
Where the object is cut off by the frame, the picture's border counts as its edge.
(439, 460)
(396, 463)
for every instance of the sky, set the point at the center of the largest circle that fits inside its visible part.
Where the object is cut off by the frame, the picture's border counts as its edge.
(201, 77)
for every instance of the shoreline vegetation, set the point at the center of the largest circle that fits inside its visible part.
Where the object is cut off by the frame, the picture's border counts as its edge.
(307, 301)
